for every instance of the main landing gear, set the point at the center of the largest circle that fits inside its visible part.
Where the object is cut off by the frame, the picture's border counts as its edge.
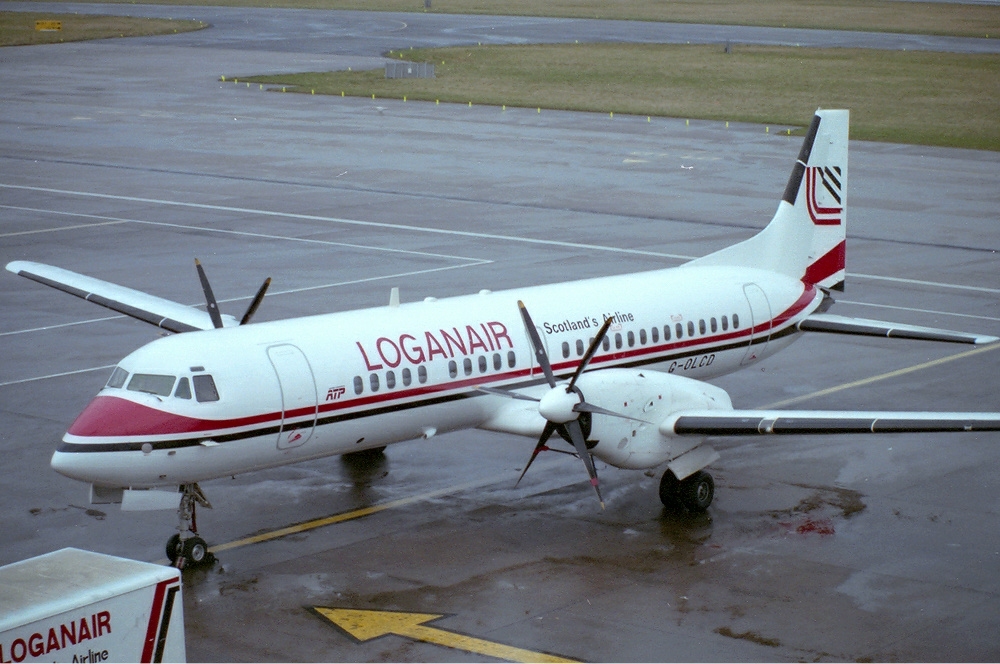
(694, 492)
(185, 548)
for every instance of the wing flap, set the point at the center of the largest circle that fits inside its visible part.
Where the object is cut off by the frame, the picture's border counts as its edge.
(166, 314)
(832, 323)
(810, 422)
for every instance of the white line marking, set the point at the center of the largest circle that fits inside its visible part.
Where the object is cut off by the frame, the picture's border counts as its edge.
(124, 220)
(351, 222)
(920, 282)
(53, 327)
(58, 375)
(916, 310)
(54, 230)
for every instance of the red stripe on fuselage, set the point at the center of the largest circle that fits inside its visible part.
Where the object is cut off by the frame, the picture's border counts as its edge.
(110, 416)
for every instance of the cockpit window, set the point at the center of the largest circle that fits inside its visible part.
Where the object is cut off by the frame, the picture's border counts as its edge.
(152, 384)
(204, 388)
(118, 378)
(183, 390)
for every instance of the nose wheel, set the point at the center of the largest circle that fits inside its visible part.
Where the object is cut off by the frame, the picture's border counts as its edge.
(186, 548)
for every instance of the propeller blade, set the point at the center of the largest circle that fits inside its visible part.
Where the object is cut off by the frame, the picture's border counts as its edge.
(584, 407)
(585, 360)
(258, 298)
(536, 343)
(576, 435)
(546, 432)
(505, 393)
(213, 306)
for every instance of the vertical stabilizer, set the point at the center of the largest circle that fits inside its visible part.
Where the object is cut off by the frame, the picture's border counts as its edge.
(806, 237)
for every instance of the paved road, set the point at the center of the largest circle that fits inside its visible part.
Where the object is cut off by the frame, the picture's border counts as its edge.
(125, 159)
(374, 33)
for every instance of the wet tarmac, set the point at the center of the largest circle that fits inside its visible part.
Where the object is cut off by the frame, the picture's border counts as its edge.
(816, 548)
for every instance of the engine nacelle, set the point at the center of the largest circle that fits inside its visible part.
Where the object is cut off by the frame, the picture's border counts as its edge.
(651, 396)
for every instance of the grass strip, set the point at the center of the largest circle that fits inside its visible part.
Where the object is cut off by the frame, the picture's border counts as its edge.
(941, 99)
(934, 18)
(18, 28)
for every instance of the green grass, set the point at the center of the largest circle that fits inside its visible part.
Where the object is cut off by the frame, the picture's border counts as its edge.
(941, 99)
(869, 15)
(18, 28)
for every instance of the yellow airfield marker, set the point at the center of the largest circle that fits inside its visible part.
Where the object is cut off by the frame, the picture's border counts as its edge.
(350, 516)
(367, 625)
(880, 377)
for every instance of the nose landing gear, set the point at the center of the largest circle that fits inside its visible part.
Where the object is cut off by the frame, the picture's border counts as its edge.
(186, 547)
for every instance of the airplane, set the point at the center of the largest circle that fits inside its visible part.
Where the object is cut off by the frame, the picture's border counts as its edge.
(615, 367)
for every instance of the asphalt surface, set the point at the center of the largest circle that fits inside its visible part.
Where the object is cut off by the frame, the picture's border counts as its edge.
(127, 159)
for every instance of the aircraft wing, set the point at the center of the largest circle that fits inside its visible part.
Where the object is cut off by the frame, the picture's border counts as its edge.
(803, 422)
(171, 316)
(875, 328)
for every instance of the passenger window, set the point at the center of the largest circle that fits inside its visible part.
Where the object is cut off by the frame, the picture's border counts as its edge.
(725, 323)
(690, 328)
(579, 347)
(204, 388)
(152, 384)
(373, 381)
(390, 380)
(666, 333)
(656, 334)
(715, 326)
(497, 362)
(736, 321)
(183, 390)
(359, 385)
(467, 365)
(618, 340)
(482, 364)
(118, 378)
(701, 326)
(452, 369)
(642, 336)
(407, 377)
(606, 344)
(511, 359)
(680, 331)
(422, 374)
(565, 349)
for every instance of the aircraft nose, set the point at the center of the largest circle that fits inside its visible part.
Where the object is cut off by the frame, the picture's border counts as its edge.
(70, 464)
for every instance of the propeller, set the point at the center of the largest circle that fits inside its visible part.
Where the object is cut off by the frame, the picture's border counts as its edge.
(213, 305)
(561, 406)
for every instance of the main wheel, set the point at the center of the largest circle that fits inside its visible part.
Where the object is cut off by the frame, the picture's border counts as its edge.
(696, 492)
(173, 548)
(669, 485)
(195, 550)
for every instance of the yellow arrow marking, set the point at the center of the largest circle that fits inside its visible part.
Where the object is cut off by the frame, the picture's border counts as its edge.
(366, 625)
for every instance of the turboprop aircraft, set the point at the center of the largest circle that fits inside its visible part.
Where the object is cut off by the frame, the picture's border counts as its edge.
(615, 366)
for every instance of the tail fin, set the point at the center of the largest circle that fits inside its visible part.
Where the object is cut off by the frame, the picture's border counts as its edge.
(806, 239)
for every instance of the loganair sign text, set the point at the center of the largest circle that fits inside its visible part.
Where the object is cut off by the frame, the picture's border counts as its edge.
(424, 346)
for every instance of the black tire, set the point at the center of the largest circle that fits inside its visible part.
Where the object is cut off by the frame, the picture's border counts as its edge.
(696, 492)
(195, 551)
(669, 486)
(173, 548)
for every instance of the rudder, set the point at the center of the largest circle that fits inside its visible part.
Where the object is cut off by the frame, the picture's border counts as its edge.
(806, 238)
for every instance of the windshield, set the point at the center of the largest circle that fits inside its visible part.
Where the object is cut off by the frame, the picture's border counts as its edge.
(152, 384)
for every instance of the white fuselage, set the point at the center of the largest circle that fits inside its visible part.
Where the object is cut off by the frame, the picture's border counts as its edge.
(330, 384)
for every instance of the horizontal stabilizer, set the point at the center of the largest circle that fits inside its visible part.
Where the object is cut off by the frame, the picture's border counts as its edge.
(171, 316)
(875, 328)
(809, 422)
